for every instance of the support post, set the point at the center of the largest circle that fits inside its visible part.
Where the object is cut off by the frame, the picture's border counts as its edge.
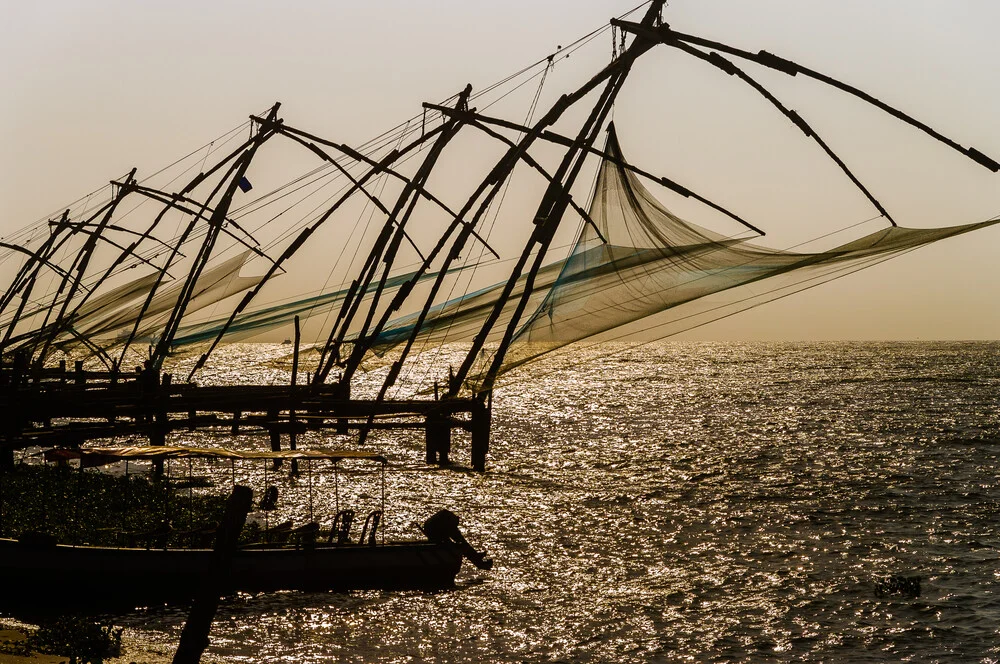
(275, 435)
(158, 422)
(438, 439)
(160, 417)
(481, 414)
(345, 395)
(294, 395)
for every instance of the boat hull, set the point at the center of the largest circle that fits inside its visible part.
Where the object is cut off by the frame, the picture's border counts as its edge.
(35, 575)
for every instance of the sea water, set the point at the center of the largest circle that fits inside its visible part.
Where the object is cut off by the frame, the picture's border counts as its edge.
(703, 502)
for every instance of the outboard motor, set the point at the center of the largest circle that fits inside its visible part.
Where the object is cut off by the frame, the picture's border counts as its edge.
(443, 527)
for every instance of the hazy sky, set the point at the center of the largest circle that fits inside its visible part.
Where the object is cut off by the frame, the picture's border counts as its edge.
(95, 88)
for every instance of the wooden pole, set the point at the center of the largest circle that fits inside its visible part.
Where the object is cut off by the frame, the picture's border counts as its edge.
(291, 412)
(555, 201)
(274, 434)
(480, 416)
(385, 248)
(80, 266)
(289, 251)
(3, 471)
(194, 637)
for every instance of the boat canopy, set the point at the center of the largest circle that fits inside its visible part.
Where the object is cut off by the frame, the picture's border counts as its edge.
(96, 456)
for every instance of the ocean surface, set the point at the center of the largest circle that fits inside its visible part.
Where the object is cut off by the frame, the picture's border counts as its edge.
(701, 502)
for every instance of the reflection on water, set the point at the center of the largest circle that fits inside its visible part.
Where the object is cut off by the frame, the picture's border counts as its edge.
(700, 502)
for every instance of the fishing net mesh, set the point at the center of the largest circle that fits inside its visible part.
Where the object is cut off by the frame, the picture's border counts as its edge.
(647, 261)
(636, 260)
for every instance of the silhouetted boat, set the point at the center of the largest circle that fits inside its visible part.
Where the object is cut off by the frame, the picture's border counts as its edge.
(37, 571)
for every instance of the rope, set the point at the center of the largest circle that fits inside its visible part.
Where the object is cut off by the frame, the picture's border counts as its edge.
(496, 213)
(383, 179)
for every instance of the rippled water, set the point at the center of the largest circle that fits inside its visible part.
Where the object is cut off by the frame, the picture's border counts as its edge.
(671, 502)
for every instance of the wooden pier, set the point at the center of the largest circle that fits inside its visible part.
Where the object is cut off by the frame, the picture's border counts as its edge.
(58, 407)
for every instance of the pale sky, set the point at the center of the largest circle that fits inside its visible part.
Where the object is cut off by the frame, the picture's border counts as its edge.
(95, 88)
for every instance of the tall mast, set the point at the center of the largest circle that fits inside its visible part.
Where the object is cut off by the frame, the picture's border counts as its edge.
(408, 198)
(83, 260)
(24, 282)
(664, 34)
(483, 123)
(551, 209)
(175, 250)
(34, 258)
(382, 166)
(485, 194)
(215, 222)
(69, 320)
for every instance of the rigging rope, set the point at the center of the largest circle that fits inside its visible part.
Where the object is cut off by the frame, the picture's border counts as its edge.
(383, 179)
(495, 209)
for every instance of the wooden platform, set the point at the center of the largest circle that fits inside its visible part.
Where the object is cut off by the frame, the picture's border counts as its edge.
(68, 408)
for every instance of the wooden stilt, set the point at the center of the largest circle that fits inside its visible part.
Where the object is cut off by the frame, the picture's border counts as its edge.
(438, 439)
(291, 412)
(342, 422)
(159, 422)
(275, 436)
(481, 422)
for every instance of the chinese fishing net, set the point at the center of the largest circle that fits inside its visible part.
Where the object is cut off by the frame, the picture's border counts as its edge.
(647, 261)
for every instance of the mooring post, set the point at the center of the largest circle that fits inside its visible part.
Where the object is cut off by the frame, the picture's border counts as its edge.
(194, 637)
(481, 420)
(273, 431)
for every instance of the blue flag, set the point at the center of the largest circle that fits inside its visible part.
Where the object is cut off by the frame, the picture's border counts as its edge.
(245, 185)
